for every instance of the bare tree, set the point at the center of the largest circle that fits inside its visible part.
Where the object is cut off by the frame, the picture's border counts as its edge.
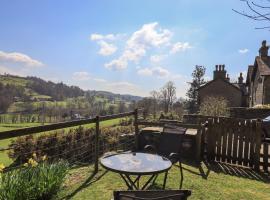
(155, 97)
(168, 95)
(258, 11)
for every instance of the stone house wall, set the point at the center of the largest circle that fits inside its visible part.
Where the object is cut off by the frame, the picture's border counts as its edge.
(258, 90)
(267, 90)
(222, 89)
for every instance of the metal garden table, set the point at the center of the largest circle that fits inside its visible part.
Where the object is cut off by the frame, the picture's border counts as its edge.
(135, 164)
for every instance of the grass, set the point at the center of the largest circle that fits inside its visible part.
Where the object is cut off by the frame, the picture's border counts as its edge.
(14, 81)
(217, 185)
(4, 159)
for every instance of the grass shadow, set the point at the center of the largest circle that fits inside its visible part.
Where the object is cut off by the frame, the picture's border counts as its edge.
(199, 166)
(239, 171)
(90, 180)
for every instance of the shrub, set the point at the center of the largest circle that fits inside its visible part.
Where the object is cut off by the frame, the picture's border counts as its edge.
(35, 181)
(76, 145)
(214, 106)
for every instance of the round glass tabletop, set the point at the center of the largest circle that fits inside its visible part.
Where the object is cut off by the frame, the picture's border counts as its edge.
(136, 163)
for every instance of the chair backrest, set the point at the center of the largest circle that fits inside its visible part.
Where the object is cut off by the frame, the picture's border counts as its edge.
(169, 143)
(152, 195)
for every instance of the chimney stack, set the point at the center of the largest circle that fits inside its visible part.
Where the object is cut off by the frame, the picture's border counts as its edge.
(240, 78)
(220, 72)
(228, 78)
(263, 51)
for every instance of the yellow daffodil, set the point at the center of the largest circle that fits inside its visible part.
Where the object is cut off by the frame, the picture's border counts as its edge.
(2, 167)
(32, 162)
(44, 158)
(34, 155)
(25, 164)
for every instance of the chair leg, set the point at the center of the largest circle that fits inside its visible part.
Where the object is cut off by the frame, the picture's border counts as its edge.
(181, 175)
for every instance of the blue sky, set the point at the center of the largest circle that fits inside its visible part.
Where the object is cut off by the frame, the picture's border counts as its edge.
(125, 46)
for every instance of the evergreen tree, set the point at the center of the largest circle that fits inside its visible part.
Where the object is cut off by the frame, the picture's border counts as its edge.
(192, 93)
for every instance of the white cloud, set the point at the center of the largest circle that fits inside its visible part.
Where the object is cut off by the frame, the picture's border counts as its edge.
(96, 36)
(157, 58)
(81, 76)
(117, 64)
(178, 46)
(155, 71)
(145, 72)
(100, 80)
(148, 36)
(243, 51)
(19, 58)
(106, 49)
(160, 72)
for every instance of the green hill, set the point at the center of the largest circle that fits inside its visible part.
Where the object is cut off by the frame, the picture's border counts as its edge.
(28, 94)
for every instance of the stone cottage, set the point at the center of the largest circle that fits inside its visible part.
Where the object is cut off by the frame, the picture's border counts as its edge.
(220, 86)
(258, 78)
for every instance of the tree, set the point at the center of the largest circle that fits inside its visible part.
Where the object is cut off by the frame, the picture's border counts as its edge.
(121, 107)
(214, 106)
(178, 108)
(155, 97)
(145, 104)
(192, 93)
(168, 95)
(257, 11)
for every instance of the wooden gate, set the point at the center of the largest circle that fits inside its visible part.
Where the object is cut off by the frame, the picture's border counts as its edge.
(235, 141)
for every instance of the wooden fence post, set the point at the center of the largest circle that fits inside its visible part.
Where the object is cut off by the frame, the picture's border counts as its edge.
(97, 144)
(136, 128)
(258, 145)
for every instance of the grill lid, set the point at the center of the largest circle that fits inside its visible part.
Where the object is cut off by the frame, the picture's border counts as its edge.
(267, 119)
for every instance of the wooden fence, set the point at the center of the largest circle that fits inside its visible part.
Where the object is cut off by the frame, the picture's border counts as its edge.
(236, 141)
(51, 127)
(265, 155)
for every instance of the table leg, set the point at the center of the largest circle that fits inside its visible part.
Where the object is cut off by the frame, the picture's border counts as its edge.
(126, 181)
(165, 180)
(150, 179)
(133, 183)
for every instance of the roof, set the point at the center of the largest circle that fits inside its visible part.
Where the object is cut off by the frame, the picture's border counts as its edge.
(235, 85)
(249, 73)
(263, 65)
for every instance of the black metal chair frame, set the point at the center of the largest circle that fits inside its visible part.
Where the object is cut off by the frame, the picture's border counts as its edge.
(152, 195)
(173, 156)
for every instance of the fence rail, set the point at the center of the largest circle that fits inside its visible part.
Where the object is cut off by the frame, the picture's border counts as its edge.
(51, 127)
(96, 136)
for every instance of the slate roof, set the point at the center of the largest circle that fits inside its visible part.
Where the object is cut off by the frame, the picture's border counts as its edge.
(249, 73)
(237, 86)
(263, 65)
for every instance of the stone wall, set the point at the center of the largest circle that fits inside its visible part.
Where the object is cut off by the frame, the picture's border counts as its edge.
(267, 90)
(249, 113)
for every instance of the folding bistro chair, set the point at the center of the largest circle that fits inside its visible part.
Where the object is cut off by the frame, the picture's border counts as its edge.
(169, 146)
(152, 195)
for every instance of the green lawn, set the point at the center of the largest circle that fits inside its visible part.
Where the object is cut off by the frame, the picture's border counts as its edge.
(216, 186)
